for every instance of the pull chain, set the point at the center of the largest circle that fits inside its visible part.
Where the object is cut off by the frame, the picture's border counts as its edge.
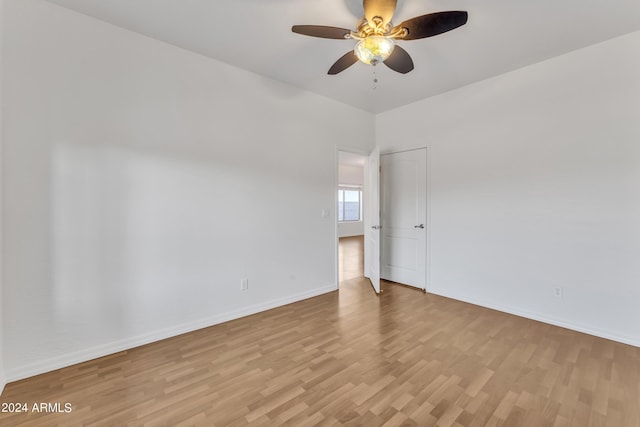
(375, 79)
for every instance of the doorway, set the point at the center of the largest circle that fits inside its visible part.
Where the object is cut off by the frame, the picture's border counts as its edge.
(350, 215)
(395, 229)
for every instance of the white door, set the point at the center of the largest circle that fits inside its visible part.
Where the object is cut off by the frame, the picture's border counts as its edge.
(404, 217)
(372, 220)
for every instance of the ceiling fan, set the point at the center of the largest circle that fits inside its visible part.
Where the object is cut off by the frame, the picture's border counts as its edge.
(376, 35)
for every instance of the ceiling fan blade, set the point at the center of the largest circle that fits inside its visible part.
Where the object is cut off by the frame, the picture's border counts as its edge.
(382, 8)
(321, 31)
(433, 24)
(346, 61)
(399, 60)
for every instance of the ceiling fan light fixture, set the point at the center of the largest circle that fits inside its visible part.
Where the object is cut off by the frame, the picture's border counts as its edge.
(374, 49)
(376, 34)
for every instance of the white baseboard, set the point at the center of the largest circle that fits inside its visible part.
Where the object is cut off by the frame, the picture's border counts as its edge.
(3, 383)
(129, 343)
(634, 341)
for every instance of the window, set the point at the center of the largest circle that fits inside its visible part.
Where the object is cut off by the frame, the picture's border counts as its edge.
(349, 203)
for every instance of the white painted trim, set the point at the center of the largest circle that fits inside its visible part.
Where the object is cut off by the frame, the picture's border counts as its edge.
(129, 343)
(541, 318)
(3, 382)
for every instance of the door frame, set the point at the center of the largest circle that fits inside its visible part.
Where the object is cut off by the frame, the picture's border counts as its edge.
(365, 208)
(395, 150)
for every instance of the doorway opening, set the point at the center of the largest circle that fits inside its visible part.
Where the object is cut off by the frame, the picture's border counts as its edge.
(382, 221)
(350, 215)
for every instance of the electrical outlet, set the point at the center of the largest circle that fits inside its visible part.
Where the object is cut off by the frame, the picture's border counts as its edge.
(244, 284)
(557, 292)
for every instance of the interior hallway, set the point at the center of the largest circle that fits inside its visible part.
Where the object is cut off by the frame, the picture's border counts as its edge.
(351, 257)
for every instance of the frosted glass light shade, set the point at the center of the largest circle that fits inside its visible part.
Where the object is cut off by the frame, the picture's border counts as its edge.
(374, 49)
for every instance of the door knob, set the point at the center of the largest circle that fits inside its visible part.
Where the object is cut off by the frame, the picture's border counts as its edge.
(376, 227)
(419, 226)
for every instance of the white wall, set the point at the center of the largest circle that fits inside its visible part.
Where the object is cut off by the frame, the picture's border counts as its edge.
(143, 182)
(2, 375)
(350, 229)
(535, 185)
(350, 175)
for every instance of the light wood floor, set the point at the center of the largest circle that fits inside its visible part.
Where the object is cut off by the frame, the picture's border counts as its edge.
(351, 256)
(351, 357)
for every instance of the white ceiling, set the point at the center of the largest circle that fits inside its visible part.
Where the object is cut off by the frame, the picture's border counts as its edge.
(500, 36)
(351, 159)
